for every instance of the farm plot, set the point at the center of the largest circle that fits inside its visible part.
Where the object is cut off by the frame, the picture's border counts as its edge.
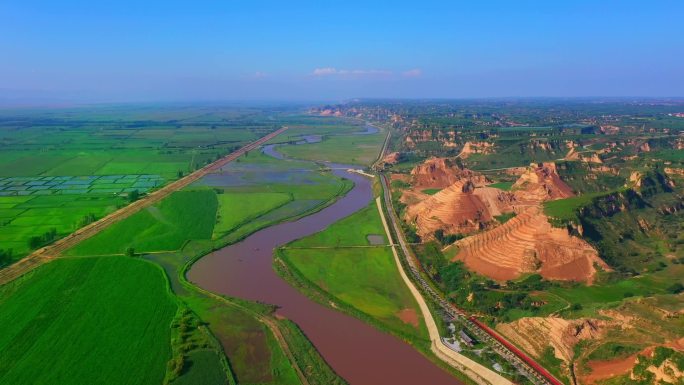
(166, 226)
(341, 262)
(236, 209)
(22, 218)
(92, 319)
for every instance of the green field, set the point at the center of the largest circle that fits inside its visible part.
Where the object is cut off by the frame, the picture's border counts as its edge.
(254, 355)
(566, 209)
(338, 149)
(97, 155)
(165, 226)
(23, 217)
(506, 186)
(92, 319)
(182, 225)
(432, 191)
(204, 370)
(350, 231)
(340, 262)
(235, 209)
(364, 278)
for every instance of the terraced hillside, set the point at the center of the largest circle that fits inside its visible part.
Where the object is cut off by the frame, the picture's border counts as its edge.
(527, 244)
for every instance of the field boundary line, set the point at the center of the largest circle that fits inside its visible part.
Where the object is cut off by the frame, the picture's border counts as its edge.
(52, 251)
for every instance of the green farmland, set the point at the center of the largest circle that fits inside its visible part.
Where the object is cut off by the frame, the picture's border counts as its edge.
(183, 215)
(351, 231)
(340, 148)
(93, 319)
(61, 169)
(340, 262)
(236, 209)
(217, 210)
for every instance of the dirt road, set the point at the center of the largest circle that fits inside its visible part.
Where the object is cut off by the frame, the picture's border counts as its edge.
(47, 253)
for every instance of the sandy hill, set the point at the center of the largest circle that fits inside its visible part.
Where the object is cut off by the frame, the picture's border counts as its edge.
(441, 173)
(535, 334)
(528, 243)
(540, 183)
(470, 148)
(392, 158)
(459, 208)
(464, 205)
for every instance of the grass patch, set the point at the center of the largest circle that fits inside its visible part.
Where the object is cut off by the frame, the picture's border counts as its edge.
(505, 217)
(613, 350)
(254, 355)
(165, 226)
(431, 191)
(203, 368)
(591, 298)
(506, 186)
(235, 209)
(335, 148)
(566, 209)
(92, 319)
(365, 278)
(350, 231)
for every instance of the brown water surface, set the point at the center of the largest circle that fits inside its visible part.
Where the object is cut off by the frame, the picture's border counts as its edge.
(358, 352)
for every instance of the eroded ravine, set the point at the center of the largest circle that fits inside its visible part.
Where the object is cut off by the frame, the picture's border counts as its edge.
(356, 351)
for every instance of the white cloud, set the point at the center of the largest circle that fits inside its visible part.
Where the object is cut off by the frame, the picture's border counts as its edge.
(414, 73)
(331, 71)
(324, 71)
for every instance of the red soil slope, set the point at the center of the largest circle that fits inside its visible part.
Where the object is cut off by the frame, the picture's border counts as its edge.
(441, 173)
(528, 243)
(541, 183)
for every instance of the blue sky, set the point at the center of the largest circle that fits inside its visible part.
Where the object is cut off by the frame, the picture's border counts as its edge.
(331, 50)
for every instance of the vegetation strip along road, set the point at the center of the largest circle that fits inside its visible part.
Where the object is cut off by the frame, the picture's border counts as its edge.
(535, 372)
(46, 253)
(472, 369)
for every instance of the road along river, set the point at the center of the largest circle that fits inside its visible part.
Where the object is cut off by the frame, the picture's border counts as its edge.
(358, 352)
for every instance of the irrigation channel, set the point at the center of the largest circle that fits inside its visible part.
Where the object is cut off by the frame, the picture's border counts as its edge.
(358, 352)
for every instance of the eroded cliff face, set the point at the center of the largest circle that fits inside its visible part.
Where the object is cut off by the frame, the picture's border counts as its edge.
(443, 172)
(456, 209)
(392, 158)
(464, 205)
(540, 183)
(481, 147)
(525, 244)
(535, 334)
(529, 244)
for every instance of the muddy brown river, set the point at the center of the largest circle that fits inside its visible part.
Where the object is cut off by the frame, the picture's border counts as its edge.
(358, 352)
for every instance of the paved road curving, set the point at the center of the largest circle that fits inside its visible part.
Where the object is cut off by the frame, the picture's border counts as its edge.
(470, 368)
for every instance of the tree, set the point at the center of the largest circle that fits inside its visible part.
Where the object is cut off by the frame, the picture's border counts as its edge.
(130, 252)
(5, 256)
(675, 288)
(133, 196)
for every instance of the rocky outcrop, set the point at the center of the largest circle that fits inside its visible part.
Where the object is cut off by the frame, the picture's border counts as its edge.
(443, 172)
(674, 171)
(392, 158)
(455, 209)
(541, 183)
(470, 148)
(535, 334)
(528, 243)
(445, 138)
